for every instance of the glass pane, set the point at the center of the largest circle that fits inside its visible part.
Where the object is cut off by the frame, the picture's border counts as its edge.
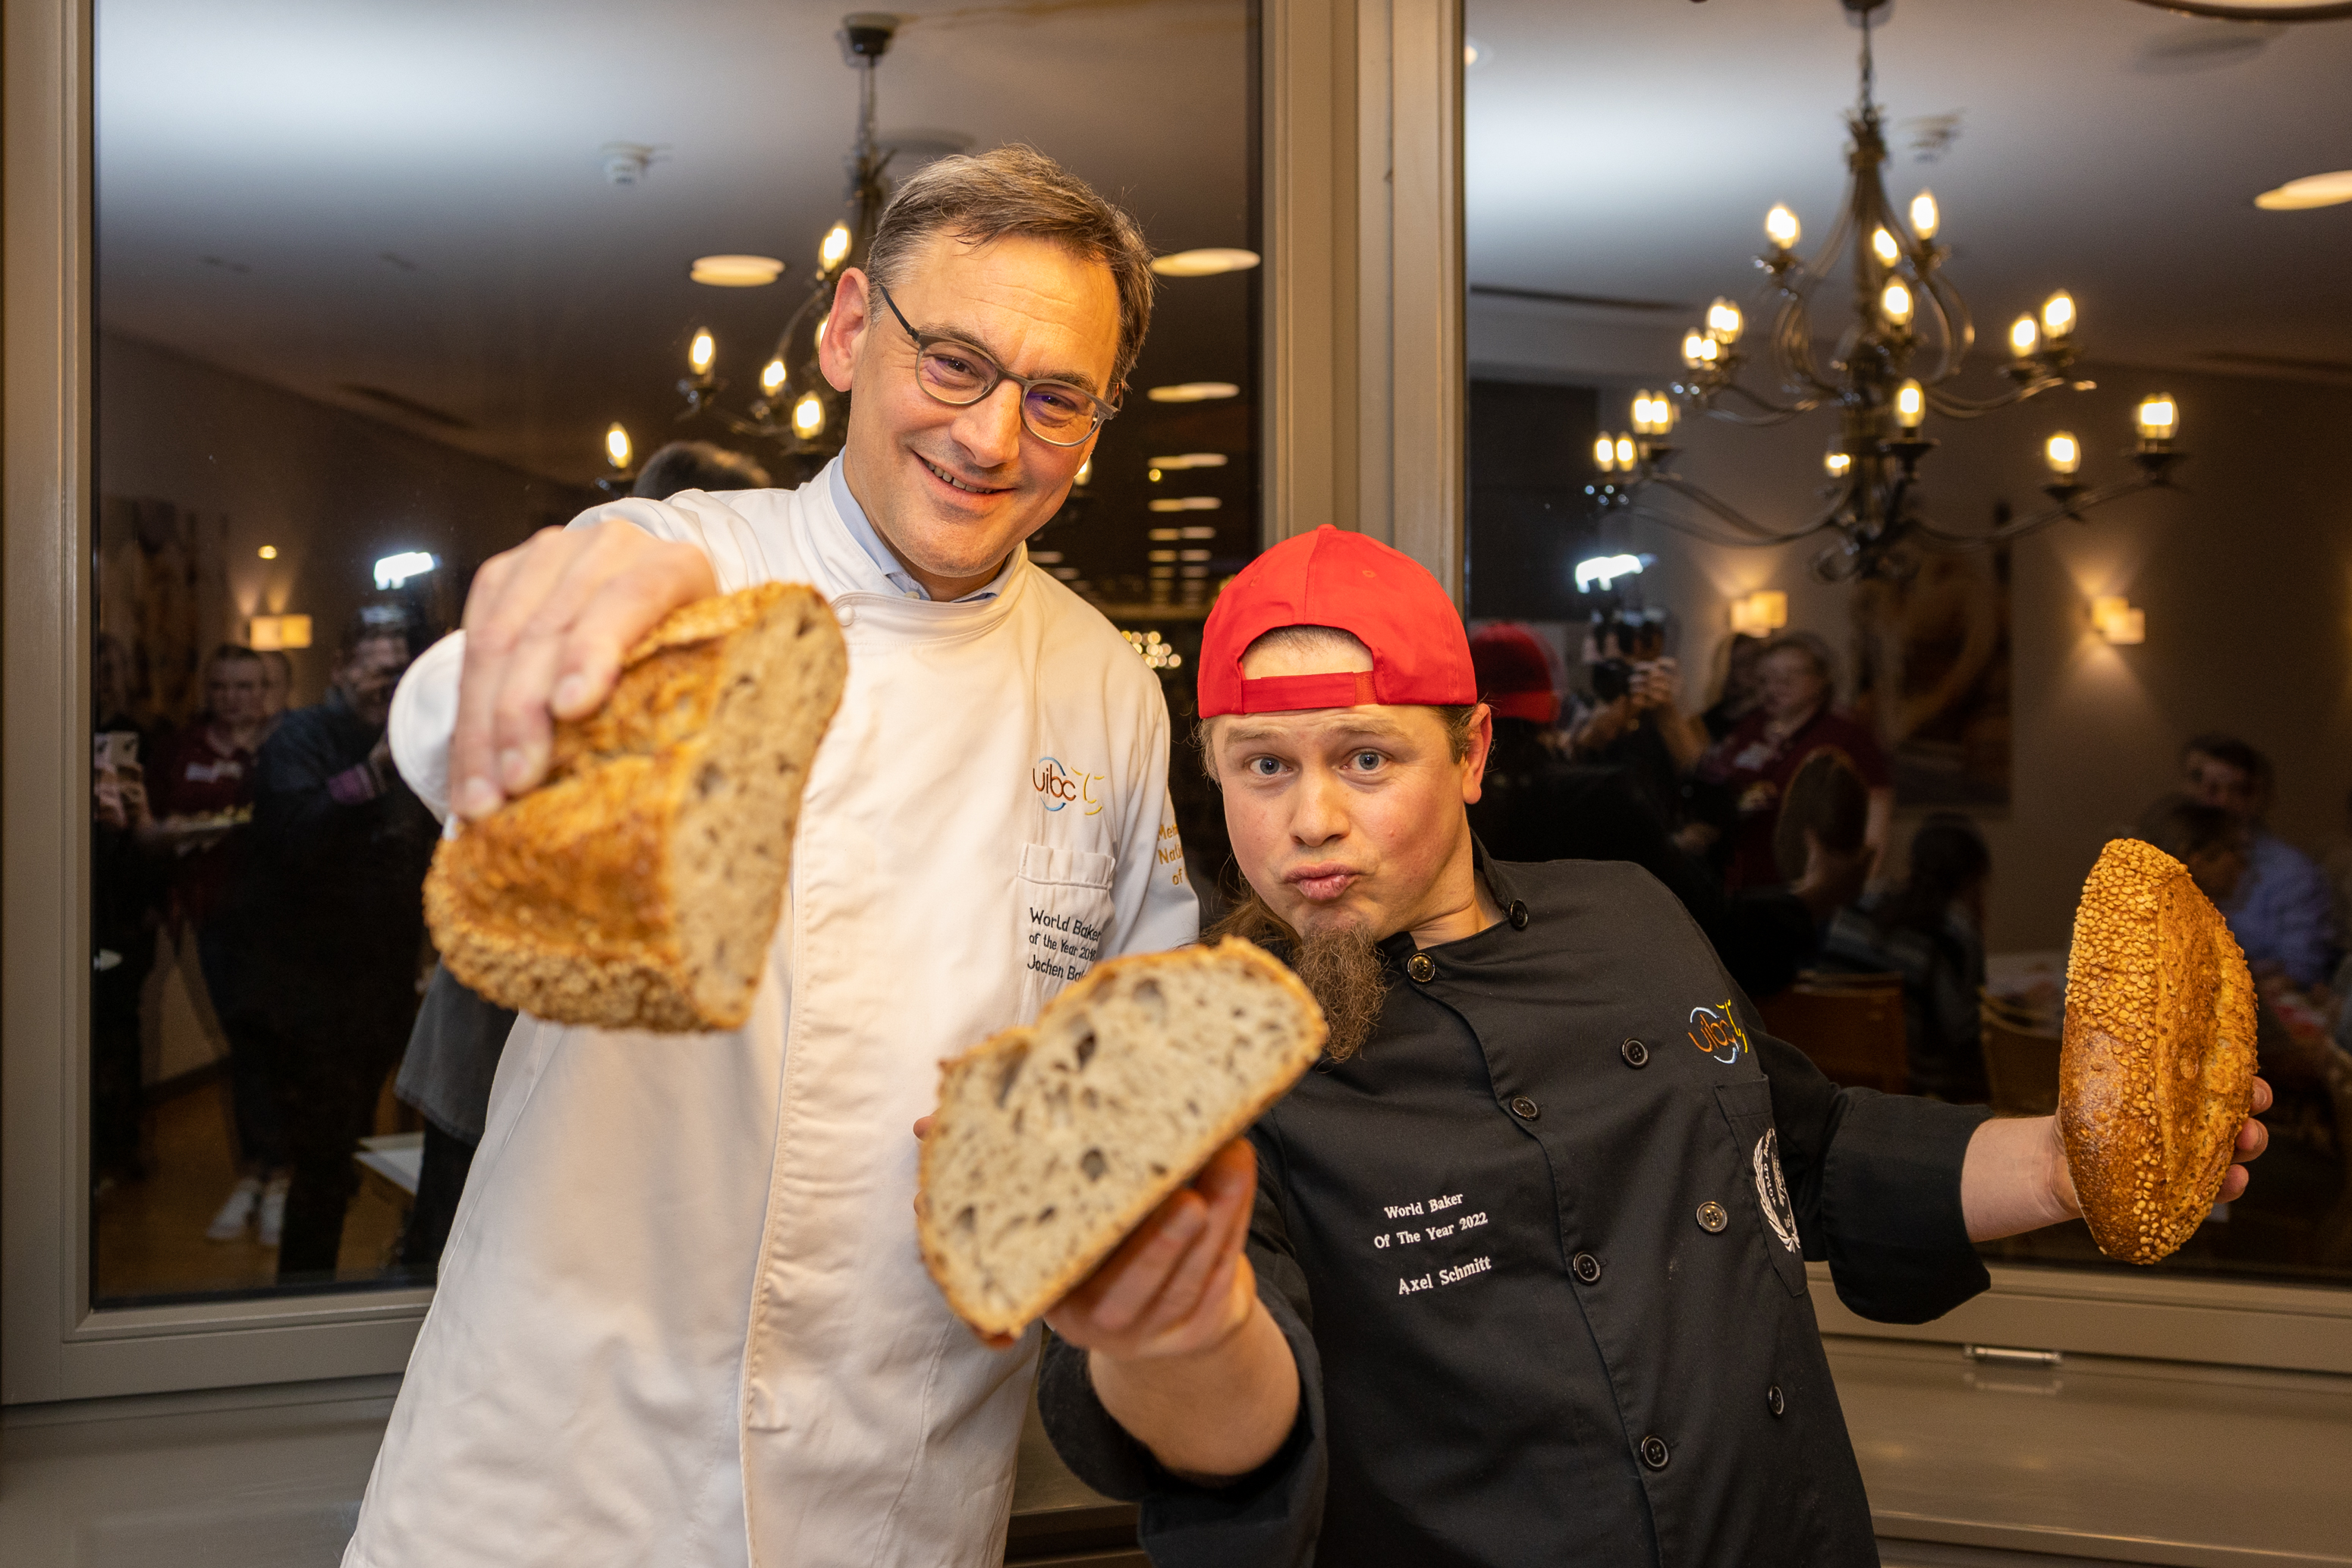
(2019, 687)
(376, 287)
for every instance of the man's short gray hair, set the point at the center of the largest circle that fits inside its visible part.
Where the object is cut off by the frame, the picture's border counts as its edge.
(1018, 190)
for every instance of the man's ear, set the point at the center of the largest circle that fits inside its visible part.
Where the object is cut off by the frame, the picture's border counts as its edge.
(845, 328)
(1473, 760)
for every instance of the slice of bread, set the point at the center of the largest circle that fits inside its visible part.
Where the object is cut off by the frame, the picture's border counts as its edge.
(1053, 1142)
(638, 887)
(2155, 1071)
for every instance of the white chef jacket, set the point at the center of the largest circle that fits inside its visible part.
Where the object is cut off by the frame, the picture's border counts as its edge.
(682, 1319)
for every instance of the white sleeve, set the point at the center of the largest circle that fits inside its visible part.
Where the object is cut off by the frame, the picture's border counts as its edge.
(1153, 908)
(424, 707)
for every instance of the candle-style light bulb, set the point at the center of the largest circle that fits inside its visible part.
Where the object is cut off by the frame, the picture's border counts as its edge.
(1723, 321)
(702, 351)
(1836, 464)
(1923, 216)
(1625, 453)
(1882, 244)
(2063, 452)
(617, 446)
(772, 377)
(1895, 303)
(1698, 349)
(2158, 419)
(1781, 228)
(1605, 454)
(834, 246)
(1910, 406)
(2024, 336)
(808, 415)
(2058, 315)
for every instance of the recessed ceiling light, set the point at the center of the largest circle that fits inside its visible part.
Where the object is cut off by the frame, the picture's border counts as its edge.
(736, 271)
(1204, 262)
(2311, 191)
(1190, 460)
(1193, 391)
(1188, 504)
(268, 552)
(1473, 53)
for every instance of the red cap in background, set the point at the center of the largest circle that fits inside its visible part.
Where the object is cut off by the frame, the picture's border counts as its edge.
(1515, 673)
(1420, 657)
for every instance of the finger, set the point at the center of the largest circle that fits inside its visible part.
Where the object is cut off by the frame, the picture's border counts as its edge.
(2252, 1139)
(923, 1125)
(522, 720)
(1187, 1282)
(2263, 1097)
(505, 591)
(2234, 1183)
(641, 579)
(1138, 1270)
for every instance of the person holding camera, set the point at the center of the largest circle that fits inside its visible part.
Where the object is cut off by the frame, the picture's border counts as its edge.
(1634, 721)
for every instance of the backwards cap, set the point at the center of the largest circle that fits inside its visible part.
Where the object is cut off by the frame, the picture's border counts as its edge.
(1388, 600)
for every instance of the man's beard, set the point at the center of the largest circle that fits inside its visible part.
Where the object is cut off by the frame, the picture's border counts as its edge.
(1342, 969)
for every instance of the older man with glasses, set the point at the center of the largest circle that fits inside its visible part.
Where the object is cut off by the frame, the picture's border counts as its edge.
(681, 1316)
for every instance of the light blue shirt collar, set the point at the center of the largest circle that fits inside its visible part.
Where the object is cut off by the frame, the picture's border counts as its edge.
(852, 515)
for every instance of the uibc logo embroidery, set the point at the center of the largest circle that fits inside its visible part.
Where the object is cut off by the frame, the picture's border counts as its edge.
(1716, 1031)
(1062, 787)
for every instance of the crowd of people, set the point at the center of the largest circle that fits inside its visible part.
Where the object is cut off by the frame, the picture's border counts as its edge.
(1768, 814)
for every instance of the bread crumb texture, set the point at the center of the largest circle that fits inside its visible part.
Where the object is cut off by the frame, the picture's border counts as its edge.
(638, 887)
(1053, 1142)
(2155, 1074)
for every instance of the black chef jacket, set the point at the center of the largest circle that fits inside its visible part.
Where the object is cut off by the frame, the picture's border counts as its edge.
(1539, 1253)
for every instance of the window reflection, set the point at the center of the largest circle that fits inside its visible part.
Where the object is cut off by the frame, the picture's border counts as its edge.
(352, 343)
(2163, 669)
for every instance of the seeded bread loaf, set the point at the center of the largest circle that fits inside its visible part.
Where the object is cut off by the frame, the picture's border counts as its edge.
(2155, 1072)
(1053, 1142)
(638, 887)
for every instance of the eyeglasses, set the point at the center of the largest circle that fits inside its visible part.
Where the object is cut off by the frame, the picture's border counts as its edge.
(952, 371)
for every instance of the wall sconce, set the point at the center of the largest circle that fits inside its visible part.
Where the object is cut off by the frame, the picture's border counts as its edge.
(2117, 621)
(268, 634)
(1761, 613)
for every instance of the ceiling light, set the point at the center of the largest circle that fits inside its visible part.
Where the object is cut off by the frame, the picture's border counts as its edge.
(1166, 535)
(701, 351)
(2311, 191)
(268, 552)
(1204, 262)
(771, 377)
(1190, 460)
(1884, 244)
(2063, 452)
(808, 416)
(1193, 391)
(1924, 217)
(1781, 228)
(395, 570)
(835, 245)
(736, 271)
(1188, 504)
(1197, 533)
(616, 447)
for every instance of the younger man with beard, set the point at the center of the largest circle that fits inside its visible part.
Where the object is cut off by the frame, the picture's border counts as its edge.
(1518, 1276)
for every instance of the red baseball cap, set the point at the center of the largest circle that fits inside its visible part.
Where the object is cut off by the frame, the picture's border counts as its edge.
(1388, 600)
(1514, 673)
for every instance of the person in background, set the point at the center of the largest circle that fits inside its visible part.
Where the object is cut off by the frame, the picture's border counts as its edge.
(202, 782)
(277, 689)
(1793, 718)
(1931, 931)
(333, 921)
(697, 466)
(2336, 863)
(1634, 721)
(1736, 686)
(453, 1055)
(125, 891)
(1536, 805)
(2282, 911)
(2211, 842)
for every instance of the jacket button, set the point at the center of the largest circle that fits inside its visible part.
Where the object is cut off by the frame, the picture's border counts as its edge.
(1772, 1400)
(1524, 1109)
(1587, 1267)
(1518, 915)
(1654, 1453)
(1636, 1053)
(1711, 1218)
(1420, 966)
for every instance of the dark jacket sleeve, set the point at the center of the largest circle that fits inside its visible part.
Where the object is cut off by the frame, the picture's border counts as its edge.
(304, 793)
(1267, 1519)
(1875, 1181)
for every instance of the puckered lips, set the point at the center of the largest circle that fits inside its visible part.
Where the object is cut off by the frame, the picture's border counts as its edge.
(1322, 881)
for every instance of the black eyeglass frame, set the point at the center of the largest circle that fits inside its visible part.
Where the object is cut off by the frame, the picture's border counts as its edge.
(1104, 410)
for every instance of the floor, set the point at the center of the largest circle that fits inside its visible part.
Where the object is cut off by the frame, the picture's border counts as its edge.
(151, 1232)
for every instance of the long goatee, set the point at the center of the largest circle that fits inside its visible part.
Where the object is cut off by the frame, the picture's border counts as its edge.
(1340, 968)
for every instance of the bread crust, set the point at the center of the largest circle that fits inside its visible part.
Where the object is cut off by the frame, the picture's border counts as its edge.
(565, 901)
(2157, 1066)
(999, 1049)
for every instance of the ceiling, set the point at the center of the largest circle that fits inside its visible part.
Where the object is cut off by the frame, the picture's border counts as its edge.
(411, 197)
(1630, 149)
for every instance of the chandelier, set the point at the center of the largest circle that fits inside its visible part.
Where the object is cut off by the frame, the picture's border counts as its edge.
(795, 411)
(1906, 338)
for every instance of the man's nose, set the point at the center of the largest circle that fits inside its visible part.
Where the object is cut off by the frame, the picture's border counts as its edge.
(1320, 813)
(990, 429)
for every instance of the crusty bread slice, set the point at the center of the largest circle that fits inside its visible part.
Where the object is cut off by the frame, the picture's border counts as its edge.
(638, 887)
(2156, 1073)
(1053, 1142)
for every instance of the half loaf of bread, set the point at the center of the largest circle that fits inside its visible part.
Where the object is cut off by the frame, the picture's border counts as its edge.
(1053, 1142)
(638, 887)
(2156, 1073)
